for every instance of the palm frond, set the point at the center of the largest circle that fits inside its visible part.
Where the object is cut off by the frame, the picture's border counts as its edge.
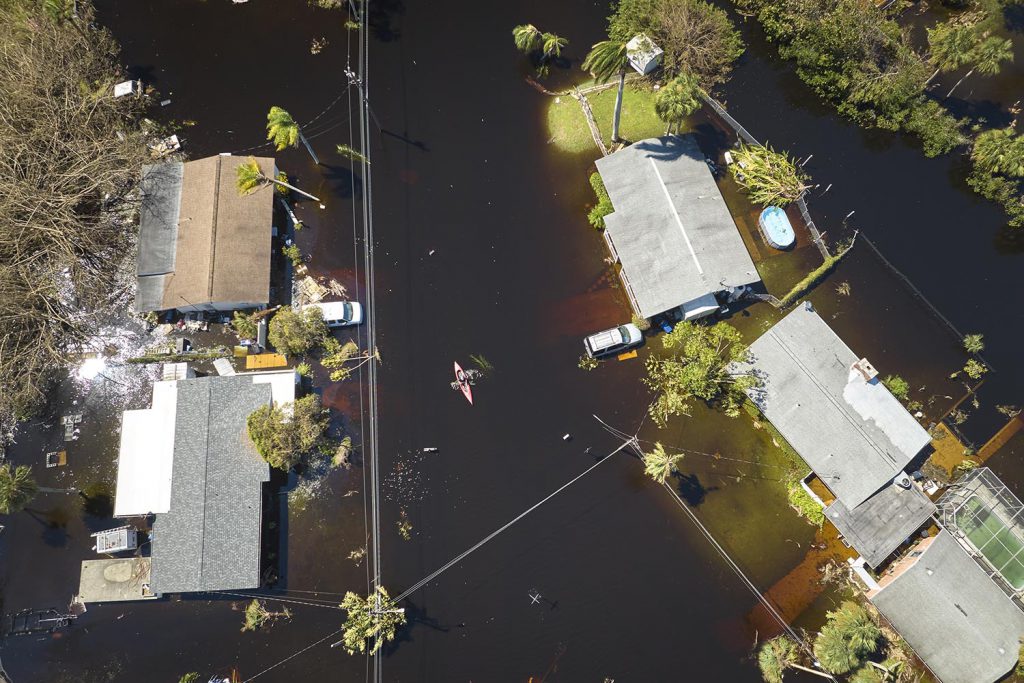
(282, 129)
(552, 45)
(249, 177)
(606, 60)
(349, 153)
(527, 38)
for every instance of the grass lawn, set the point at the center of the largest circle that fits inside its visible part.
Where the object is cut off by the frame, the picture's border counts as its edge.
(568, 127)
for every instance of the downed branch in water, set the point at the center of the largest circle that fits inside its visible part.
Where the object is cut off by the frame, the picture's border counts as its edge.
(814, 277)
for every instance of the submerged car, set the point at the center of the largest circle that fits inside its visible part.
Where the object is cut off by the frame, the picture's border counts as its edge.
(339, 313)
(615, 340)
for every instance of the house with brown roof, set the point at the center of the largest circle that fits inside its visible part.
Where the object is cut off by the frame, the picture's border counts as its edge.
(202, 245)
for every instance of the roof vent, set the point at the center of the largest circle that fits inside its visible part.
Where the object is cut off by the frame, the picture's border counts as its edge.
(903, 480)
(865, 369)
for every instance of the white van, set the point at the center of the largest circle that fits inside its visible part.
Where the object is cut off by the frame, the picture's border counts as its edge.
(615, 340)
(339, 313)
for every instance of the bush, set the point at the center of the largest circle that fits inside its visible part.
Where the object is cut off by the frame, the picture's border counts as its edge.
(974, 369)
(806, 507)
(939, 131)
(245, 325)
(897, 386)
(604, 202)
(294, 332)
(283, 439)
(293, 254)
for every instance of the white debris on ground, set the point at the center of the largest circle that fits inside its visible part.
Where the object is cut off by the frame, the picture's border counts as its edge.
(336, 288)
(307, 291)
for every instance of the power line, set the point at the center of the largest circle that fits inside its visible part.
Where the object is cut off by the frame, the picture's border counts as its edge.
(307, 603)
(293, 656)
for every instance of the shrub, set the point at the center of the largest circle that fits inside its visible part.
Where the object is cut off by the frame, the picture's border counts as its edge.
(806, 507)
(974, 343)
(642, 323)
(974, 369)
(604, 202)
(245, 325)
(897, 386)
(293, 254)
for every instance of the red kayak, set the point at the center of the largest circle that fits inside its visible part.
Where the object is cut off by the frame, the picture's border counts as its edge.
(463, 381)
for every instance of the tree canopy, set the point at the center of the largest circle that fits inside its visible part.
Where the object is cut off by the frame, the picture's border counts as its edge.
(659, 465)
(677, 99)
(606, 60)
(849, 636)
(294, 332)
(282, 129)
(775, 656)
(371, 621)
(770, 178)
(696, 367)
(282, 436)
(17, 488)
(697, 37)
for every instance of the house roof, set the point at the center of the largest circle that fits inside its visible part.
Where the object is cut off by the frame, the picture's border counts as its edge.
(671, 229)
(957, 620)
(879, 525)
(210, 537)
(144, 463)
(853, 433)
(200, 242)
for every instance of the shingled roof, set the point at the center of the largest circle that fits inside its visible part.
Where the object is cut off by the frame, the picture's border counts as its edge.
(671, 229)
(210, 537)
(852, 431)
(200, 242)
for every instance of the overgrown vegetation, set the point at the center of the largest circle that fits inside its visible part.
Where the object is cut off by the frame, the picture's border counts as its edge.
(768, 177)
(813, 278)
(540, 47)
(897, 386)
(974, 343)
(849, 636)
(371, 621)
(855, 56)
(245, 325)
(17, 488)
(337, 358)
(294, 332)
(998, 170)
(676, 100)
(282, 439)
(697, 37)
(696, 367)
(70, 158)
(805, 506)
(604, 202)
(293, 254)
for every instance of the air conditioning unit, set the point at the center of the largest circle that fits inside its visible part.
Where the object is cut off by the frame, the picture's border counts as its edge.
(903, 480)
(865, 369)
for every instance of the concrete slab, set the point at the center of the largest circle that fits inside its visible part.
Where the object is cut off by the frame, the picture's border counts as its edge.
(116, 580)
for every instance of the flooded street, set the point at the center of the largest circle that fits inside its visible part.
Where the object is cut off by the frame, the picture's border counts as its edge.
(483, 250)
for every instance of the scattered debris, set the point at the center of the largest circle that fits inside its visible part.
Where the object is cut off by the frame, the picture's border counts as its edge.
(56, 459)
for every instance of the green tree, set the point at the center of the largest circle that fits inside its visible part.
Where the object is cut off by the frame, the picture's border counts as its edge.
(897, 386)
(974, 343)
(283, 435)
(987, 58)
(849, 636)
(606, 60)
(249, 176)
(951, 43)
(676, 100)
(244, 324)
(294, 332)
(999, 152)
(190, 677)
(777, 655)
(527, 38)
(660, 465)
(697, 367)
(375, 618)
(770, 178)
(284, 132)
(17, 488)
(552, 45)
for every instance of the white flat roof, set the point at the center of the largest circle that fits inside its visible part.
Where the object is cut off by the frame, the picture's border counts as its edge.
(147, 454)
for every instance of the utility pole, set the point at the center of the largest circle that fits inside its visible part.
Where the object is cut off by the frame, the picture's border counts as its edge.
(353, 79)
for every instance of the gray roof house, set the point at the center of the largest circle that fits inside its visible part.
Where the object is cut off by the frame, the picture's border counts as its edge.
(671, 230)
(964, 628)
(856, 436)
(202, 246)
(205, 486)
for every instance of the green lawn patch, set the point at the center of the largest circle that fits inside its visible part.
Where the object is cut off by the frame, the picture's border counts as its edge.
(568, 130)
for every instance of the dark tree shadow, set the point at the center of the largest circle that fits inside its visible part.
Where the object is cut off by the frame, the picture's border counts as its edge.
(418, 144)
(416, 617)
(343, 182)
(380, 16)
(691, 490)
(1013, 16)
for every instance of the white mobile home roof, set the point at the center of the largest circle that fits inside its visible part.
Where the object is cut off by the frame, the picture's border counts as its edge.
(671, 229)
(853, 433)
(147, 455)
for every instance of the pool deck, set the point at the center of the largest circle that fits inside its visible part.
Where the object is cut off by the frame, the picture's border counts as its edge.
(119, 579)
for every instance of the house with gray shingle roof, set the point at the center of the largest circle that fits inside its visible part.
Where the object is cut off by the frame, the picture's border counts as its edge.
(206, 487)
(961, 625)
(857, 437)
(671, 231)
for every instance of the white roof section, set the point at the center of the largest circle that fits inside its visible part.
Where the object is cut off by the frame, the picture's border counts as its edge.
(671, 229)
(282, 384)
(957, 620)
(854, 434)
(146, 455)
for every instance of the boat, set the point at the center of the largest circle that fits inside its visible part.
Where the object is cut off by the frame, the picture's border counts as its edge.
(462, 379)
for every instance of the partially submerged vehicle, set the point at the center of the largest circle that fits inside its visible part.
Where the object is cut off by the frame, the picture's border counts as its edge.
(339, 313)
(613, 341)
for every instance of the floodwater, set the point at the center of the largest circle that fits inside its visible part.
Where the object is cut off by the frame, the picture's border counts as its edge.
(483, 249)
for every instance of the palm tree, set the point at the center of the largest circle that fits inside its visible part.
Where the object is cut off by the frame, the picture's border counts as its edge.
(250, 176)
(951, 46)
(552, 45)
(527, 38)
(1000, 151)
(605, 60)
(284, 132)
(17, 488)
(676, 100)
(60, 11)
(777, 655)
(659, 465)
(987, 57)
(847, 639)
